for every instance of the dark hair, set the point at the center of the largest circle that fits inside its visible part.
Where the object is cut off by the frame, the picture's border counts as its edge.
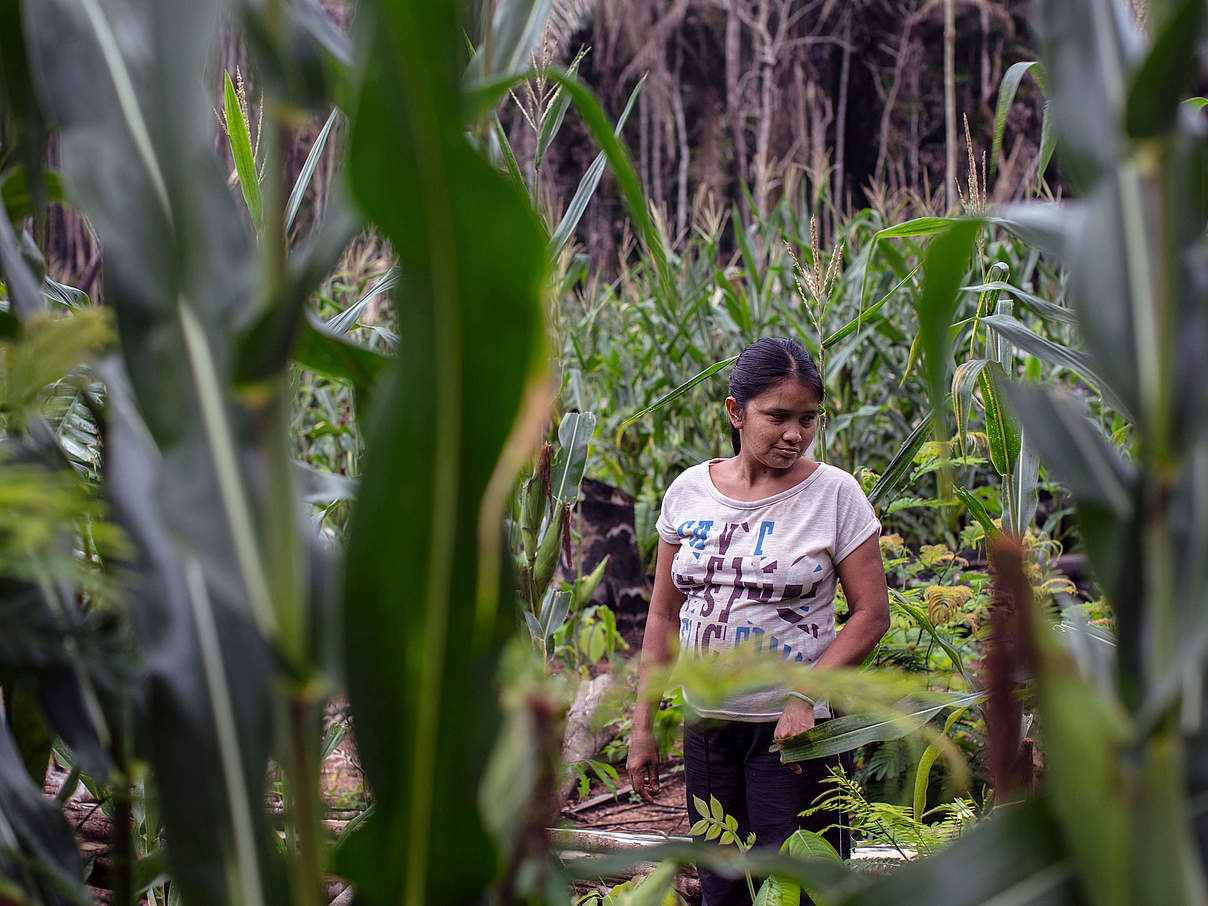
(765, 363)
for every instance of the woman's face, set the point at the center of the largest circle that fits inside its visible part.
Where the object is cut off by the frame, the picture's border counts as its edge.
(778, 426)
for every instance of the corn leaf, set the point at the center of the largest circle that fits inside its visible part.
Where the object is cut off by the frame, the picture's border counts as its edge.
(33, 832)
(1007, 89)
(1156, 86)
(944, 267)
(1054, 353)
(513, 35)
(240, 142)
(588, 184)
(574, 439)
(923, 772)
(864, 317)
(842, 734)
(347, 319)
(306, 174)
(421, 652)
(1018, 858)
(22, 285)
(1002, 431)
(899, 466)
(680, 390)
(551, 125)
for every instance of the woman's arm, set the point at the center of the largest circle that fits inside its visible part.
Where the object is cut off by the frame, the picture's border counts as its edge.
(662, 625)
(863, 578)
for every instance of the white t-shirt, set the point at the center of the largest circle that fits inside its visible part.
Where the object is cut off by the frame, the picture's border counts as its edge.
(762, 572)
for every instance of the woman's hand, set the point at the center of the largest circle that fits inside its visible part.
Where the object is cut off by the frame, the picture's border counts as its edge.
(662, 627)
(798, 717)
(643, 765)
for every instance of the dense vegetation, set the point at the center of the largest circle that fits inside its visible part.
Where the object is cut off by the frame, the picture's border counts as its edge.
(236, 486)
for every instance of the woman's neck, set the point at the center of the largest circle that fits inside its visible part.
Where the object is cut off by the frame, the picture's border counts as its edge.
(746, 478)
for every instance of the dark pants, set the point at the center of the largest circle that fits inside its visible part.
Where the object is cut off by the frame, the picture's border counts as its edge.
(731, 760)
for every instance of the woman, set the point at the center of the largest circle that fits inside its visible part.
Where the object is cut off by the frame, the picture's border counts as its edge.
(749, 553)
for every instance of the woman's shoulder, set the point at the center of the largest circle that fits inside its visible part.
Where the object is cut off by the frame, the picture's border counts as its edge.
(693, 481)
(839, 479)
(693, 475)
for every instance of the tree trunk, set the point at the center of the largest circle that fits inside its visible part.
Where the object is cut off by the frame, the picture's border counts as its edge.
(734, 102)
(950, 104)
(840, 205)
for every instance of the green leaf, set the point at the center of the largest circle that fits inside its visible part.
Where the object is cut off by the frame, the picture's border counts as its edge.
(18, 197)
(804, 844)
(265, 346)
(26, 128)
(574, 441)
(977, 511)
(241, 150)
(702, 807)
(944, 268)
(863, 317)
(1017, 858)
(1054, 353)
(550, 549)
(916, 613)
(713, 832)
(1105, 487)
(1048, 144)
(422, 652)
(923, 773)
(1046, 310)
(827, 876)
(920, 226)
(509, 156)
(1156, 87)
(306, 174)
(328, 354)
(1088, 48)
(515, 31)
(553, 612)
(34, 833)
(482, 97)
(1002, 431)
(551, 125)
(656, 889)
(1023, 487)
(842, 734)
(1007, 89)
(588, 184)
(585, 586)
(1046, 226)
(680, 390)
(63, 295)
(715, 809)
(22, 285)
(964, 379)
(128, 100)
(347, 319)
(899, 466)
(317, 486)
(1073, 448)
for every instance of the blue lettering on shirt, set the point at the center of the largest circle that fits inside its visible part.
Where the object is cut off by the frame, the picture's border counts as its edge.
(765, 529)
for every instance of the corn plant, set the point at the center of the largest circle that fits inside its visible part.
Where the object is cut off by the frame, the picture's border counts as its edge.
(1117, 820)
(1138, 158)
